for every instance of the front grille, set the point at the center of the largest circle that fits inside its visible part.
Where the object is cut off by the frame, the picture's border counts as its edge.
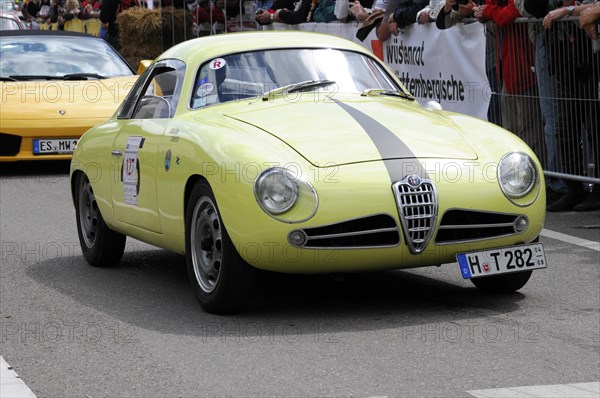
(417, 205)
(469, 225)
(10, 145)
(378, 230)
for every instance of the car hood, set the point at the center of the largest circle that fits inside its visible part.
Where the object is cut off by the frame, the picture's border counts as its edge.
(59, 100)
(351, 131)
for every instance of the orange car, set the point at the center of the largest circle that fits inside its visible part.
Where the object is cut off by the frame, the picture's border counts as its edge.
(54, 86)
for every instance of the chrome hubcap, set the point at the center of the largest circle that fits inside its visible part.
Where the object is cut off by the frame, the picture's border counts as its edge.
(88, 214)
(207, 244)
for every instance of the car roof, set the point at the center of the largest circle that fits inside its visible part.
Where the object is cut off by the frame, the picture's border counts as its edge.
(200, 49)
(39, 32)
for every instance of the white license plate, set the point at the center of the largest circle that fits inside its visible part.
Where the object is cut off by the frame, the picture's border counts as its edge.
(54, 146)
(502, 261)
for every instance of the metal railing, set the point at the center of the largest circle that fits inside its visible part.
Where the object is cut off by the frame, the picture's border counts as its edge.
(550, 95)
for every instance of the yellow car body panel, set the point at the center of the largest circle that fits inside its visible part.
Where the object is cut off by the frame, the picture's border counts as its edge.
(57, 109)
(327, 144)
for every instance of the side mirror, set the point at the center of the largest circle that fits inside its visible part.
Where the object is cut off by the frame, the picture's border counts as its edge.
(144, 64)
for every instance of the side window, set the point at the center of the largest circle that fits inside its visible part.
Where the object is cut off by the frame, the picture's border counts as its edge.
(131, 99)
(156, 100)
(156, 94)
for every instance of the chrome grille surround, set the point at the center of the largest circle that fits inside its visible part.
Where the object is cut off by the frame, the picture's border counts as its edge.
(468, 225)
(374, 231)
(417, 207)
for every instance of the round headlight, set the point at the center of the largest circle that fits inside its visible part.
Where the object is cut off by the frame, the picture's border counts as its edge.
(516, 174)
(276, 190)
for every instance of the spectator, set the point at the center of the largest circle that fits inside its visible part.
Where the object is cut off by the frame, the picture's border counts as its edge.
(519, 103)
(30, 12)
(400, 14)
(72, 11)
(55, 11)
(109, 29)
(588, 20)
(206, 16)
(452, 12)
(430, 12)
(44, 13)
(578, 74)
(371, 18)
(307, 11)
(547, 88)
(362, 13)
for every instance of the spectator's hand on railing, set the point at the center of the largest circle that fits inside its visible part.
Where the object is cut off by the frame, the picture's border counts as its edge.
(263, 17)
(554, 16)
(588, 20)
(424, 17)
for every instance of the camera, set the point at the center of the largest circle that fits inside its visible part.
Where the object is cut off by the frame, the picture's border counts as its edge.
(463, 2)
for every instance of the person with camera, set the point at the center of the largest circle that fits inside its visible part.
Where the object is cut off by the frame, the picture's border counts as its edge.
(453, 11)
(400, 14)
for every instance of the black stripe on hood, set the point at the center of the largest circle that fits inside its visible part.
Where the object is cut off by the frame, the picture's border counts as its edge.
(399, 160)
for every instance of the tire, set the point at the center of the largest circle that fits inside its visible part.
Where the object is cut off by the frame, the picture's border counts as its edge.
(101, 246)
(507, 283)
(221, 280)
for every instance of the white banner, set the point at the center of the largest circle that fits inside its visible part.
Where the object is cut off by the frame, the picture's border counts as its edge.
(447, 66)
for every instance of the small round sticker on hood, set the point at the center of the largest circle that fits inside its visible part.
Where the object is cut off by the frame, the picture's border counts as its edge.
(168, 160)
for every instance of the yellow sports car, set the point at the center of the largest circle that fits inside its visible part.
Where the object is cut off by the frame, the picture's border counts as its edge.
(301, 153)
(54, 86)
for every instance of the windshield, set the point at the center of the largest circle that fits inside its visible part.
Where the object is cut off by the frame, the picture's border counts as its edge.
(58, 56)
(8, 23)
(259, 73)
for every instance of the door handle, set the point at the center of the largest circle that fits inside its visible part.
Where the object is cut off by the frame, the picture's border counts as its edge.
(115, 152)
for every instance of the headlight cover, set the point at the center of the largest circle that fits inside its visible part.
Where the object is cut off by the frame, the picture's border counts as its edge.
(516, 174)
(285, 196)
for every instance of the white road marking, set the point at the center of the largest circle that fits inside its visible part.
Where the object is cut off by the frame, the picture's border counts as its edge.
(577, 390)
(571, 239)
(10, 383)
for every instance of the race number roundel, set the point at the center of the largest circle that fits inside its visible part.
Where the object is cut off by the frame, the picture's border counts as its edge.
(217, 63)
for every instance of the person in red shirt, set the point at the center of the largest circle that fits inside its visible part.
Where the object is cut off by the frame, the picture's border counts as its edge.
(515, 58)
(206, 15)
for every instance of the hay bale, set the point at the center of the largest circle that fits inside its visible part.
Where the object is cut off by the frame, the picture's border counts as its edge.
(145, 34)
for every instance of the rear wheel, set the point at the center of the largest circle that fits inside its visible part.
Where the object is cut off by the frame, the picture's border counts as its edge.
(221, 280)
(507, 283)
(101, 246)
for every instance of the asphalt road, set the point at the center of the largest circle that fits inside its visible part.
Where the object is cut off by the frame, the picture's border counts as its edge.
(69, 329)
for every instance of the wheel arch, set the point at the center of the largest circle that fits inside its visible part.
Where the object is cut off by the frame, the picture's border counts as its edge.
(189, 186)
(74, 178)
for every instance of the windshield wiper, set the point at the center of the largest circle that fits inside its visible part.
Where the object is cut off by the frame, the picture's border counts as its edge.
(7, 79)
(35, 77)
(69, 76)
(81, 76)
(392, 93)
(298, 87)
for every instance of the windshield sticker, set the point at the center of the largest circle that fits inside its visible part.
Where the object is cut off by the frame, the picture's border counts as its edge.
(217, 63)
(131, 171)
(205, 89)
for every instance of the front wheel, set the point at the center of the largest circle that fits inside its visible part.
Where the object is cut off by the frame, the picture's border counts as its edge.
(101, 246)
(221, 280)
(507, 283)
